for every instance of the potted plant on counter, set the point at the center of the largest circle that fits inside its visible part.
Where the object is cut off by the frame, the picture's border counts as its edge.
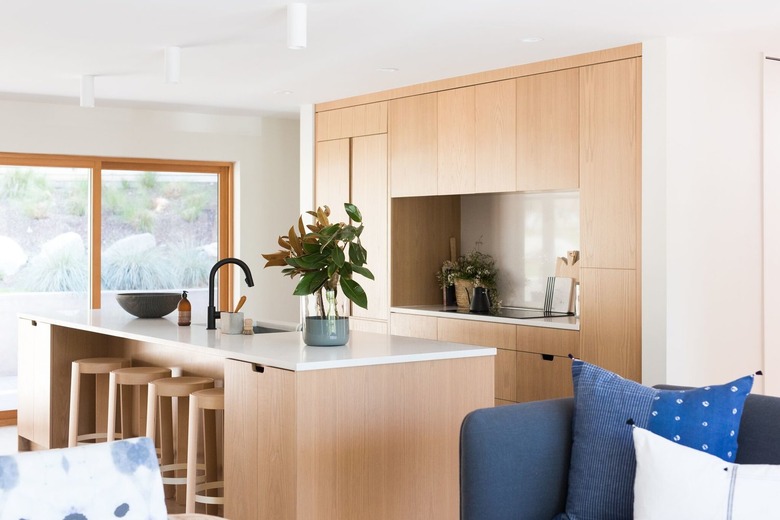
(326, 256)
(475, 269)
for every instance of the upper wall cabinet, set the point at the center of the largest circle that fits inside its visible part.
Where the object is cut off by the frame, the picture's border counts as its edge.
(496, 142)
(610, 164)
(547, 131)
(352, 121)
(456, 138)
(412, 145)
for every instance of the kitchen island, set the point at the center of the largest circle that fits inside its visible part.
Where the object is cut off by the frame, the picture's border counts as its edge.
(367, 430)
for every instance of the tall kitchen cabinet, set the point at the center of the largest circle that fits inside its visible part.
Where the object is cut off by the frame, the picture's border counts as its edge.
(571, 123)
(610, 200)
(351, 165)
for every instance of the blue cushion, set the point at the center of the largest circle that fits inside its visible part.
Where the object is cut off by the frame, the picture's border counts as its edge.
(601, 474)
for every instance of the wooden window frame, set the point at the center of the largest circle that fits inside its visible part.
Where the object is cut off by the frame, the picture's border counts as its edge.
(223, 170)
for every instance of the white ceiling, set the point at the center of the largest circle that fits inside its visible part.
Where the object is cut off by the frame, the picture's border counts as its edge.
(235, 60)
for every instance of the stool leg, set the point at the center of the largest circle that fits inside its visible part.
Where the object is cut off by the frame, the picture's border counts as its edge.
(182, 425)
(210, 453)
(101, 381)
(73, 420)
(111, 416)
(126, 416)
(167, 447)
(192, 455)
(151, 410)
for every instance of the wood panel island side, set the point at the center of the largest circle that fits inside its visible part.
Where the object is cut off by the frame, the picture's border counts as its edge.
(368, 430)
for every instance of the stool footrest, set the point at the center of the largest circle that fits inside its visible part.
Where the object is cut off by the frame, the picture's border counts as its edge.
(181, 466)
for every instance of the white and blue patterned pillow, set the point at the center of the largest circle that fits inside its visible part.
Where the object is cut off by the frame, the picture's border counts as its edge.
(117, 480)
(601, 473)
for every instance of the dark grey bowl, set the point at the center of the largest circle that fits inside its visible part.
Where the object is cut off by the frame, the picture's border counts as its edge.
(148, 305)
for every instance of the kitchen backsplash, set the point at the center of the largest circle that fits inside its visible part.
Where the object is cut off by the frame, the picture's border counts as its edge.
(525, 233)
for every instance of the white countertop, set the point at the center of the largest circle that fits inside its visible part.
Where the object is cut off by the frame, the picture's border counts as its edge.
(284, 350)
(438, 311)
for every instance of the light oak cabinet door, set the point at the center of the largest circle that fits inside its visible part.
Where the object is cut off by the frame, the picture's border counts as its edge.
(369, 193)
(610, 321)
(260, 450)
(34, 382)
(412, 145)
(543, 340)
(610, 164)
(331, 185)
(496, 137)
(547, 131)
(456, 141)
(501, 336)
(542, 376)
(352, 121)
(413, 326)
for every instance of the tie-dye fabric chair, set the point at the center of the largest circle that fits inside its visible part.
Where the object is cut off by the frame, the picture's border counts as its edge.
(101, 481)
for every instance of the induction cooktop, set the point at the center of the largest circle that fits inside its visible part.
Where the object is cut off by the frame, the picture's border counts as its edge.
(515, 312)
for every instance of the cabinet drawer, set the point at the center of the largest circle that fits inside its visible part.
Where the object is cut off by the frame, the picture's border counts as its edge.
(484, 334)
(541, 376)
(413, 326)
(506, 375)
(542, 340)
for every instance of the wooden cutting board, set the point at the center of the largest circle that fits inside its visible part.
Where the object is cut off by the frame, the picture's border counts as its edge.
(569, 266)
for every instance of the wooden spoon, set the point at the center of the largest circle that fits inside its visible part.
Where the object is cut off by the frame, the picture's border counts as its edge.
(240, 303)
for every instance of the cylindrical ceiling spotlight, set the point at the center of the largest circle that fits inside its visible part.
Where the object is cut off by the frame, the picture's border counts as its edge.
(296, 25)
(172, 64)
(87, 99)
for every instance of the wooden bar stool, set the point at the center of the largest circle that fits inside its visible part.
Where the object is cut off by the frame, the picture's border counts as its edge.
(100, 368)
(132, 384)
(173, 452)
(209, 400)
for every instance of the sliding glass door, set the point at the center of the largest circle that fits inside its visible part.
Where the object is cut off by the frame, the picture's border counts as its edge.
(74, 231)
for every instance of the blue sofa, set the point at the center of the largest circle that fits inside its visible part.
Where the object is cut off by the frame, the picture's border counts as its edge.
(514, 459)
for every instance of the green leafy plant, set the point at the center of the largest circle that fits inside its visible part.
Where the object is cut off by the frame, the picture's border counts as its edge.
(326, 257)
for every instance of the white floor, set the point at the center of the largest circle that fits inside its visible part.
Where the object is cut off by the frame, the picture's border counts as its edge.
(7, 440)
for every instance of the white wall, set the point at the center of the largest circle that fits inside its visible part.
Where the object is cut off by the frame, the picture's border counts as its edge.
(702, 212)
(771, 222)
(265, 150)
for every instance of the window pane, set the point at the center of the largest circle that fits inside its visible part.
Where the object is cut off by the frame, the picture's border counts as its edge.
(159, 233)
(44, 256)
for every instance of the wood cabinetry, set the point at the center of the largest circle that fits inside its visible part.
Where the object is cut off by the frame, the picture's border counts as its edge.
(357, 442)
(331, 185)
(495, 135)
(413, 326)
(34, 384)
(412, 145)
(455, 141)
(352, 121)
(610, 164)
(354, 169)
(610, 215)
(369, 193)
(547, 131)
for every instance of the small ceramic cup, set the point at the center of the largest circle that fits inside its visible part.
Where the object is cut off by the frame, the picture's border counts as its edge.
(231, 322)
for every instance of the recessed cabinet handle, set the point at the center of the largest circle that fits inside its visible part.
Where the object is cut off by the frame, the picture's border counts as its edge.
(34, 323)
(258, 368)
(547, 357)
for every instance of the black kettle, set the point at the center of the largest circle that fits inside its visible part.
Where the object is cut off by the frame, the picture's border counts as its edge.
(480, 301)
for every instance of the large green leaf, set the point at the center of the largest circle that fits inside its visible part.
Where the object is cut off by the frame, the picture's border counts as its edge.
(337, 256)
(362, 270)
(357, 254)
(354, 292)
(310, 282)
(353, 212)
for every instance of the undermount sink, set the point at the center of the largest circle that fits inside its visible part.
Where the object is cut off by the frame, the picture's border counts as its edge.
(259, 329)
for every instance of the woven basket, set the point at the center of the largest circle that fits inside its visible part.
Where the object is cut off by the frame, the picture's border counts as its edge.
(462, 298)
